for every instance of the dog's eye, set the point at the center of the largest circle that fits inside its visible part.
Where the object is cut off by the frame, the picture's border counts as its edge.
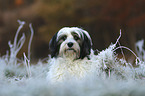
(63, 38)
(76, 38)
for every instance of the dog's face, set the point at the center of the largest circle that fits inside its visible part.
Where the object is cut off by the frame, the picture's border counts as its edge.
(73, 43)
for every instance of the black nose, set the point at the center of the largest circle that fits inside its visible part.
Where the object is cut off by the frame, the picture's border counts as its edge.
(70, 44)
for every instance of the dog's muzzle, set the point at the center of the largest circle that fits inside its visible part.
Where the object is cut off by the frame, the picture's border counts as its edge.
(70, 47)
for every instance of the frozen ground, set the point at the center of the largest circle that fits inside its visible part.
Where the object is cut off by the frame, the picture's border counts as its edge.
(115, 77)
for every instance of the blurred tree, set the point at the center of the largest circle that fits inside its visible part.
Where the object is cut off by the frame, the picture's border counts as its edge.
(128, 13)
(82, 13)
(102, 19)
(19, 2)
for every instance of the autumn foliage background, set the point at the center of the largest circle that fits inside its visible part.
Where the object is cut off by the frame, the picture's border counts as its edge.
(101, 18)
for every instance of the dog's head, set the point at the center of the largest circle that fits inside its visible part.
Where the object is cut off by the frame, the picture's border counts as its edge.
(70, 42)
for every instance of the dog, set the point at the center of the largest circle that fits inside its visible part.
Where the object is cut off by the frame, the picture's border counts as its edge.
(70, 50)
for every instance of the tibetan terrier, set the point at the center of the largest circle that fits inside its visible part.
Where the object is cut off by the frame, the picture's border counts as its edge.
(70, 50)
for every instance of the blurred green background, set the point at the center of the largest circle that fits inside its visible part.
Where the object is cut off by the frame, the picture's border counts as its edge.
(103, 19)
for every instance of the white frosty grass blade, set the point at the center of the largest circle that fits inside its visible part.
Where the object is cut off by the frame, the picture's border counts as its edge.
(137, 59)
(15, 47)
(121, 48)
(20, 43)
(140, 49)
(27, 64)
(118, 38)
(30, 41)
(20, 27)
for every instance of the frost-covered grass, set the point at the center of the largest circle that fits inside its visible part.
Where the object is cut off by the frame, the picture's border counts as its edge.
(114, 76)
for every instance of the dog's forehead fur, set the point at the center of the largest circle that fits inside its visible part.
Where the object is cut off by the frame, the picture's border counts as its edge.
(68, 30)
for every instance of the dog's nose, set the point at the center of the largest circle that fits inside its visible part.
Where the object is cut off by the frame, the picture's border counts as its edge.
(70, 44)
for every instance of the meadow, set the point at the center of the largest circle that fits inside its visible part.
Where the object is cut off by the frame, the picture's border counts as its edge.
(113, 77)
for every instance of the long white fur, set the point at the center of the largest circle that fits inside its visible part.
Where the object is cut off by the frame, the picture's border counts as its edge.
(64, 69)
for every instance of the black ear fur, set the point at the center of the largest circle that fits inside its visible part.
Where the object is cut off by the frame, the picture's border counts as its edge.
(86, 47)
(53, 46)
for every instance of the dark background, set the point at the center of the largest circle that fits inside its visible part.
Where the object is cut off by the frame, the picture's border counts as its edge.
(103, 19)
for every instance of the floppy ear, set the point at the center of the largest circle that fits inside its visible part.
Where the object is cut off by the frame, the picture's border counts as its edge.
(86, 47)
(53, 46)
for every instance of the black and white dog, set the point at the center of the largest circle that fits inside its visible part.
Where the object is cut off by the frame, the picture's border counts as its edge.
(70, 51)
